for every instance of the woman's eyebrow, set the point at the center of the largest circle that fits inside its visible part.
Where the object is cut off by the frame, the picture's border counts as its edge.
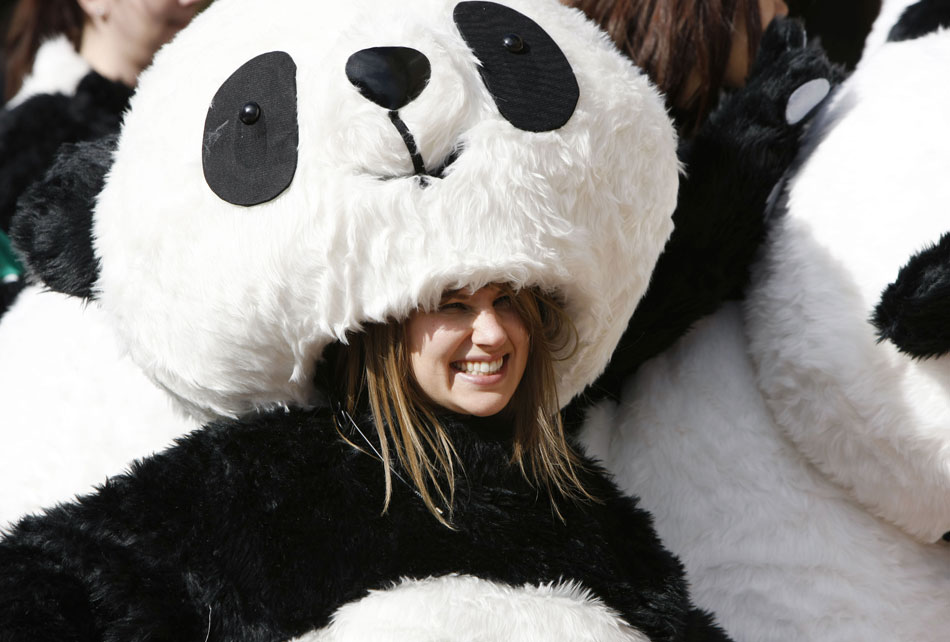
(450, 294)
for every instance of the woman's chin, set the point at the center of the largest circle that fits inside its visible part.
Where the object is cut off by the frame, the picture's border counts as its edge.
(482, 405)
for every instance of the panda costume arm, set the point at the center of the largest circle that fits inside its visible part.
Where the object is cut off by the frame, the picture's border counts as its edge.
(732, 165)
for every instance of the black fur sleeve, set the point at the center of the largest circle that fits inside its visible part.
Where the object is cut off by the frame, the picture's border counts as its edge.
(180, 548)
(31, 132)
(732, 165)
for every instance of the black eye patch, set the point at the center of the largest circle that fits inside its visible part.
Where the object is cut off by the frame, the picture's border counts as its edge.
(525, 71)
(249, 150)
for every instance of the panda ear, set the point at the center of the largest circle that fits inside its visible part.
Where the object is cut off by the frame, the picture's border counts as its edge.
(52, 229)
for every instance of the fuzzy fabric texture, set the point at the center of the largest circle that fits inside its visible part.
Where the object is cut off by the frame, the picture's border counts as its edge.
(776, 549)
(913, 310)
(72, 428)
(470, 609)
(261, 530)
(60, 101)
(798, 464)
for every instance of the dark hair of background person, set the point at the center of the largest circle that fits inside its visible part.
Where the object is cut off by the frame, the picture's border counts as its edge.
(31, 23)
(669, 39)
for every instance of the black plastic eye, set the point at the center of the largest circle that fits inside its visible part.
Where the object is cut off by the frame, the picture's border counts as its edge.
(247, 165)
(513, 43)
(535, 90)
(250, 113)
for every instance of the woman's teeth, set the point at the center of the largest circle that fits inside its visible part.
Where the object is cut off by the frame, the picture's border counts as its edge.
(479, 367)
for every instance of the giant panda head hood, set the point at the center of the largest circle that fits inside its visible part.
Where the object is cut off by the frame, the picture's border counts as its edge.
(287, 174)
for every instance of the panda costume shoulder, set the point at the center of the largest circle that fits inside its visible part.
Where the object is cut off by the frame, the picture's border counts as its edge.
(355, 162)
(794, 450)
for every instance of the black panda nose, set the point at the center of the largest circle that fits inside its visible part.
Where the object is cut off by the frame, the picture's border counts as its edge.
(391, 77)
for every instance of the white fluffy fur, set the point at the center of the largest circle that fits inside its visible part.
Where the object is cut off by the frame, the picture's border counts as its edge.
(800, 469)
(229, 308)
(74, 409)
(774, 548)
(469, 609)
(57, 68)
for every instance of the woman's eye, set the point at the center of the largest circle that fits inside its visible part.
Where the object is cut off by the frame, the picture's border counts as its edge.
(452, 306)
(503, 302)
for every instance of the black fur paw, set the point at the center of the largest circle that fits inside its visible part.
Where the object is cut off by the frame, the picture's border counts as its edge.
(920, 19)
(52, 229)
(790, 75)
(914, 310)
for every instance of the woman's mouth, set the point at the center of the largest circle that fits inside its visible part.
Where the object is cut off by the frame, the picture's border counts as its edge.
(480, 368)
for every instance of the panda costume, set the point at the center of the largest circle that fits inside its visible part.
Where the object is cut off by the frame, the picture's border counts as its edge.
(794, 451)
(730, 167)
(355, 161)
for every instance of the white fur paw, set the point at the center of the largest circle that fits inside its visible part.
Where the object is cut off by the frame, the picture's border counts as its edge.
(468, 609)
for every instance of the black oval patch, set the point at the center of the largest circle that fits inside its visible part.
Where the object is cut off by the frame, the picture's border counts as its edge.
(248, 161)
(525, 71)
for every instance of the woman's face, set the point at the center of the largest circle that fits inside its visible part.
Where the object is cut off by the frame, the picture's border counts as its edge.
(738, 66)
(469, 355)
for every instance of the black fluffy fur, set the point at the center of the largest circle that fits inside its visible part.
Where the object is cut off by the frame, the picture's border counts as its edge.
(31, 133)
(920, 19)
(264, 528)
(53, 226)
(732, 165)
(914, 310)
(8, 294)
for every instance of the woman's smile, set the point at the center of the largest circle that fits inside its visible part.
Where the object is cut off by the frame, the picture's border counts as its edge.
(469, 355)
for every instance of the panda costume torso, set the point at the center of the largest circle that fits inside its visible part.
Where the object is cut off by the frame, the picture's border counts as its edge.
(317, 169)
(264, 529)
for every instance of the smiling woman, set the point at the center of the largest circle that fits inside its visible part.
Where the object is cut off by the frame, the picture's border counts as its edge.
(480, 353)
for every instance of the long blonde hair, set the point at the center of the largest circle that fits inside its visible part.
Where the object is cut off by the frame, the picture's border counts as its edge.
(376, 365)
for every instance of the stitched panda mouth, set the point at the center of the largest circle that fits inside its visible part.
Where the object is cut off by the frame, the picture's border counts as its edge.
(418, 163)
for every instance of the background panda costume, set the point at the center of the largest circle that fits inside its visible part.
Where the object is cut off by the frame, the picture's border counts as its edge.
(794, 451)
(355, 161)
(62, 368)
(61, 100)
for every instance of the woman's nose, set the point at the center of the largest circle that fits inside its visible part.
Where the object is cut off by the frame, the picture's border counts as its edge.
(487, 329)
